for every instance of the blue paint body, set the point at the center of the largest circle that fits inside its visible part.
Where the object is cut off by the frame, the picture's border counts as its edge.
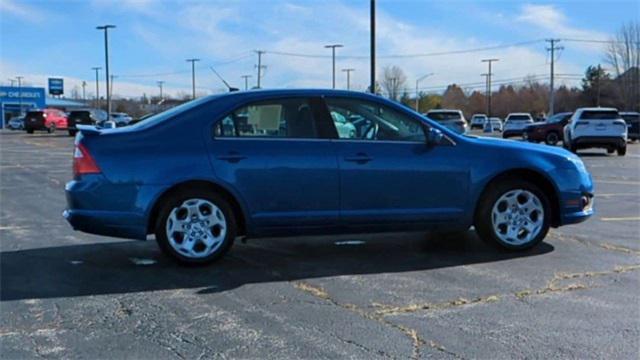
(299, 186)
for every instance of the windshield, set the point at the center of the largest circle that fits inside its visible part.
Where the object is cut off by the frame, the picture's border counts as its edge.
(519, 118)
(558, 117)
(444, 116)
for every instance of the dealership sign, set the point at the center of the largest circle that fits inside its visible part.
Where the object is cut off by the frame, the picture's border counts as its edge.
(56, 86)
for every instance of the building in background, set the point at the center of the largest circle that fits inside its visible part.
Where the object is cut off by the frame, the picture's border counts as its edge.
(15, 101)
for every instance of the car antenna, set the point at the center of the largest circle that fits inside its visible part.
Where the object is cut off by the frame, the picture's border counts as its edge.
(231, 89)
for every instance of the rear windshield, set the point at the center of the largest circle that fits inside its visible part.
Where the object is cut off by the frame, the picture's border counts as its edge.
(478, 117)
(518, 118)
(600, 115)
(170, 113)
(34, 113)
(442, 116)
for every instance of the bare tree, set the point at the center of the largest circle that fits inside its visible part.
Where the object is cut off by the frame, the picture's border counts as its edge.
(623, 54)
(393, 81)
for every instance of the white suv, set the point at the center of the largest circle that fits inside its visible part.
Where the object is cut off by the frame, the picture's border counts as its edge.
(478, 120)
(515, 123)
(596, 128)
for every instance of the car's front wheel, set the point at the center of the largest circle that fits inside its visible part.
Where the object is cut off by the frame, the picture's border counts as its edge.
(622, 150)
(552, 138)
(195, 227)
(513, 214)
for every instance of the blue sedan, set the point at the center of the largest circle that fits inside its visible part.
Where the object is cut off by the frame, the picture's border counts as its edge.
(272, 163)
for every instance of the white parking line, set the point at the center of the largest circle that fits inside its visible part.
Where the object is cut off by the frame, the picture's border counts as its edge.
(633, 218)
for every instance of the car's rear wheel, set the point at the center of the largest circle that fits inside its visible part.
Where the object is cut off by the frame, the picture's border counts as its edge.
(29, 131)
(552, 138)
(51, 129)
(513, 214)
(73, 132)
(622, 150)
(195, 227)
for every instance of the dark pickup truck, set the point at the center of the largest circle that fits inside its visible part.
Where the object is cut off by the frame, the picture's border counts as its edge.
(84, 117)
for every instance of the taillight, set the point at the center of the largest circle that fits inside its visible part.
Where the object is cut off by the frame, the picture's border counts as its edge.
(83, 162)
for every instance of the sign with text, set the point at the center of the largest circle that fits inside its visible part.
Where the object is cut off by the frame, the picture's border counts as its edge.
(56, 86)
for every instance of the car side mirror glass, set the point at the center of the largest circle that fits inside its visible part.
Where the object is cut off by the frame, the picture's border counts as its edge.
(434, 136)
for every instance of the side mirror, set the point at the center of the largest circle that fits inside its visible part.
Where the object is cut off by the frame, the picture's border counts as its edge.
(434, 136)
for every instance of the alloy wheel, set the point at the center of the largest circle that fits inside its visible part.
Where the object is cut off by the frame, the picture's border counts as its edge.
(517, 217)
(196, 228)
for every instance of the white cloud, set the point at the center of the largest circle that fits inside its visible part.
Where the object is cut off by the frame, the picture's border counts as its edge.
(21, 10)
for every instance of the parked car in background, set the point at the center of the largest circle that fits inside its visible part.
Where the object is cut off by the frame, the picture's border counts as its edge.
(477, 121)
(345, 128)
(493, 124)
(632, 119)
(48, 120)
(197, 181)
(121, 119)
(596, 128)
(515, 123)
(84, 117)
(16, 123)
(452, 119)
(551, 131)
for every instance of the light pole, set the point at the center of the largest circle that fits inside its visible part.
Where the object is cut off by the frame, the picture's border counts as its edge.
(106, 62)
(84, 92)
(19, 78)
(418, 95)
(193, 76)
(333, 57)
(348, 71)
(97, 104)
(13, 82)
(111, 88)
(489, 74)
(246, 81)
(372, 25)
(160, 83)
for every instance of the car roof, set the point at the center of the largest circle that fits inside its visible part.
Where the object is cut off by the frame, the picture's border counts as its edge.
(444, 110)
(519, 113)
(596, 109)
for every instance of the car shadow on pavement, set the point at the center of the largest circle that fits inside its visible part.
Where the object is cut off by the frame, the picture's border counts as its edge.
(126, 267)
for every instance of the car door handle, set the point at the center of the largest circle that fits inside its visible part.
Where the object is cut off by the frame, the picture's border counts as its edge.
(359, 158)
(231, 157)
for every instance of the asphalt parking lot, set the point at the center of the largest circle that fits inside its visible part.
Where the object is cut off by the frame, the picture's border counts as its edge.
(67, 294)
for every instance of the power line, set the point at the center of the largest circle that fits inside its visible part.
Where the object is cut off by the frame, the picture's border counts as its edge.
(598, 41)
(399, 56)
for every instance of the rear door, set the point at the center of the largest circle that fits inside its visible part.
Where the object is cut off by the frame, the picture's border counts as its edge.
(277, 158)
(600, 123)
(388, 174)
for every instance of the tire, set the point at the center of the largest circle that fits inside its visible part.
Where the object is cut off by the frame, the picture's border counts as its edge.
(552, 138)
(170, 216)
(530, 219)
(622, 150)
(51, 129)
(29, 131)
(73, 132)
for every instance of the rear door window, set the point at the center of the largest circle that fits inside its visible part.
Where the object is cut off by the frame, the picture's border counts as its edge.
(282, 118)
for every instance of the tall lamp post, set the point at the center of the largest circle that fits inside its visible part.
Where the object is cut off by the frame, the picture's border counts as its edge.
(160, 83)
(19, 78)
(348, 71)
(333, 57)
(246, 81)
(417, 95)
(97, 70)
(106, 28)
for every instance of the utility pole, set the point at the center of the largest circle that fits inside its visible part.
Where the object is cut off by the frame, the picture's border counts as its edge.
(193, 76)
(13, 82)
(598, 87)
(392, 94)
(97, 104)
(333, 57)
(489, 75)
(372, 24)
(19, 78)
(246, 81)
(417, 94)
(160, 83)
(487, 90)
(552, 49)
(84, 90)
(348, 71)
(106, 62)
(260, 66)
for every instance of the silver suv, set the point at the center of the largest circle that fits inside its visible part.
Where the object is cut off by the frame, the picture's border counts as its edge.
(596, 128)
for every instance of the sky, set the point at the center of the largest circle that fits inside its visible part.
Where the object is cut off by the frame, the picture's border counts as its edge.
(57, 38)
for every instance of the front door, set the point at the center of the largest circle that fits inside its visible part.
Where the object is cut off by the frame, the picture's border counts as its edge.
(388, 173)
